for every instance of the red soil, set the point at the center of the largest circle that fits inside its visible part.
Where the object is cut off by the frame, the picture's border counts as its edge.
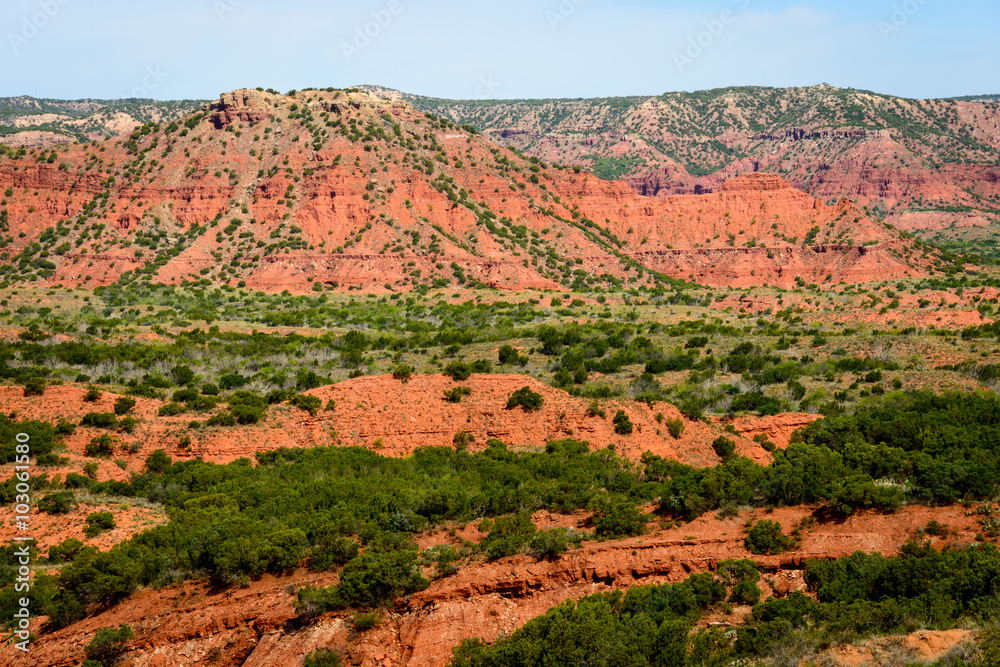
(379, 413)
(190, 624)
(778, 428)
(753, 231)
(49, 530)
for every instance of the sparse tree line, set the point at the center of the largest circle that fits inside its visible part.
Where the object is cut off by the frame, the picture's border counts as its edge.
(858, 597)
(354, 509)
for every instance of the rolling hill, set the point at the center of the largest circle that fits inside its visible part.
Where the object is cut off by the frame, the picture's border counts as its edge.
(27, 121)
(923, 163)
(344, 189)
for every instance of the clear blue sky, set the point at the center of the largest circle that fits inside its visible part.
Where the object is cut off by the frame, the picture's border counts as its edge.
(173, 49)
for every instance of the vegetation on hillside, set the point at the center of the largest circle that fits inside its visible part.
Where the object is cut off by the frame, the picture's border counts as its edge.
(859, 596)
(352, 508)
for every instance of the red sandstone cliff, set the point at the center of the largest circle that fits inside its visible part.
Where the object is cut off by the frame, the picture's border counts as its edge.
(349, 190)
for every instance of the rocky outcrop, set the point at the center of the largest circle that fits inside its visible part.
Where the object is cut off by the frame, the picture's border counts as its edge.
(352, 191)
(34, 139)
(898, 153)
(803, 134)
(777, 428)
(187, 624)
(250, 106)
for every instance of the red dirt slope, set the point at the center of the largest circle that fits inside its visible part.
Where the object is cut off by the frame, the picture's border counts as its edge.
(190, 624)
(379, 413)
(354, 191)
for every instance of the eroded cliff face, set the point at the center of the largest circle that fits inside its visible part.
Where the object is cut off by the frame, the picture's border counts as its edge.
(901, 154)
(192, 624)
(351, 191)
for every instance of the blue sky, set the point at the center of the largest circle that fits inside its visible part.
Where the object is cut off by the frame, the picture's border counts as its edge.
(174, 49)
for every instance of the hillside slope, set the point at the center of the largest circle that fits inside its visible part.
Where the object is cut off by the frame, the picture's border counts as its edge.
(28, 121)
(348, 190)
(934, 160)
(192, 623)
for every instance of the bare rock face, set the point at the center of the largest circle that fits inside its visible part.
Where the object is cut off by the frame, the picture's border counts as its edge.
(250, 106)
(34, 139)
(901, 154)
(350, 191)
(777, 428)
(757, 182)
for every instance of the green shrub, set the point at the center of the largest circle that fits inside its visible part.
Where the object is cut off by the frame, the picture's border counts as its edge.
(766, 537)
(403, 372)
(455, 394)
(444, 558)
(232, 381)
(92, 395)
(387, 569)
(279, 396)
(332, 550)
(109, 644)
(756, 402)
(98, 522)
(989, 646)
(724, 447)
(365, 620)
(743, 576)
(220, 419)
(675, 427)
(307, 402)
(102, 446)
(61, 502)
(308, 379)
(623, 425)
(66, 550)
(482, 366)
(526, 398)
(158, 461)
(182, 375)
(936, 528)
(186, 395)
(127, 424)
(34, 386)
(124, 405)
(247, 408)
(509, 355)
(765, 442)
(171, 409)
(146, 391)
(859, 595)
(507, 535)
(462, 440)
(549, 543)
(75, 481)
(322, 658)
(649, 625)
(618, 519)
(458, 371)
(99, 420)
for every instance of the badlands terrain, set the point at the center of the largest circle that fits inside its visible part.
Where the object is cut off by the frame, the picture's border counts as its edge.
(353, 377)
